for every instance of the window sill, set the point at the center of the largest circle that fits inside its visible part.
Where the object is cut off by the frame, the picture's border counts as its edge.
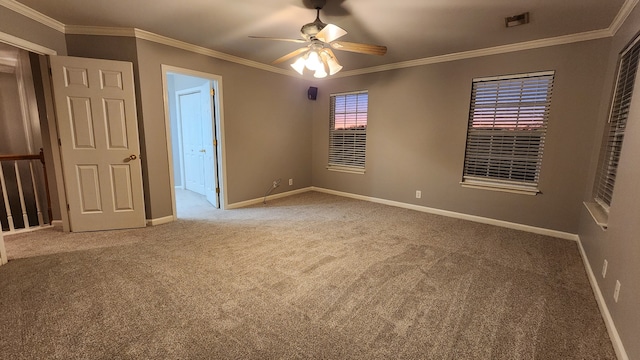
(346, 169)
(599, 215)
(495, 186)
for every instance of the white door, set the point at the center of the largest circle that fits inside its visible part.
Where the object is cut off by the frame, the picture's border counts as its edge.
(99, 145)
(195, 112)
(190, 113)
(210, 146)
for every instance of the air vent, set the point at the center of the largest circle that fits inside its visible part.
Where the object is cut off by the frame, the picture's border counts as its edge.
(516, 20)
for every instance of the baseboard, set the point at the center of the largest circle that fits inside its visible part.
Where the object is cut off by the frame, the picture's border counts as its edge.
(452, 214)
(604, 310)
(270, 197)
(160, 221)
(56, 223)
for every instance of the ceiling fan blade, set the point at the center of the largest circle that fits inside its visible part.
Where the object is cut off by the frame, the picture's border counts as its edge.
(330, 33)
(300, 41)
(290, 55)
(359, 48)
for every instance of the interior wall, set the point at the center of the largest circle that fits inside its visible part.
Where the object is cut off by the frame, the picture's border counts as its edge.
(22, 27)
(619, 244)
(266, 125)
(417, 132)
(11, 117)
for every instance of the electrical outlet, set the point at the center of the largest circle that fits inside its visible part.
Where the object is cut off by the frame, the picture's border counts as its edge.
(418, 194)
(616, 292)
(604, 268)
(290, 182)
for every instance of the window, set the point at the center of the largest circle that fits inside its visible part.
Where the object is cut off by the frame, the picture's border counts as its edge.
(612, 141)
(506, 132)
(348, 131)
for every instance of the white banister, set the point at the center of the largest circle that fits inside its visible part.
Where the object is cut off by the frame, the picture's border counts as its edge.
(14, 192)
(6, 201)
(23, 208)
(35, 192)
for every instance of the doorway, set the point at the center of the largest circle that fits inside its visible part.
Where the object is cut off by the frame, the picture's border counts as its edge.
(194, 138)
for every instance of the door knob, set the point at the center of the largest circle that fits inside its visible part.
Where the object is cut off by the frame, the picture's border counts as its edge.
(132, 157)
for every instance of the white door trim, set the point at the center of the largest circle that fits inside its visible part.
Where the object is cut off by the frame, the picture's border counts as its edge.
(219, 116)
(25, 44)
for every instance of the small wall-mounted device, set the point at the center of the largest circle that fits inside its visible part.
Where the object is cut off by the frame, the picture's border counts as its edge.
(312, 93)
(516, 20)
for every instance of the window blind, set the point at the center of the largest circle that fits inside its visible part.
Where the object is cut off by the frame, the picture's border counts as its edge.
(348, 130)
(612, 142)
(506, 129)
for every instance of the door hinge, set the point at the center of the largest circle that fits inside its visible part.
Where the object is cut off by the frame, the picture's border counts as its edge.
(215, 142)
(59, 142)
(217, 190)
(213, 92)
(50, 72)
(68, 207)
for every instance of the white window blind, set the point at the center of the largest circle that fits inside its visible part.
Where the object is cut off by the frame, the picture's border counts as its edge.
(348, 131)
(612, 142)
(506, 130)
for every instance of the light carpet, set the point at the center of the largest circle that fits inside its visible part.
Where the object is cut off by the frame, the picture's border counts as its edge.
(311, 276)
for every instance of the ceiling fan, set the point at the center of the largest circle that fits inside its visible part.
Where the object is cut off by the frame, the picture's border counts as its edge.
(321, 38)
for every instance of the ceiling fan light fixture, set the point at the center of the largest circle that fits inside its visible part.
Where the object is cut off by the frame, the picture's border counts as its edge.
(299, 65)
(320, 72)
(330, 61)
(313, 61)
(334, 67)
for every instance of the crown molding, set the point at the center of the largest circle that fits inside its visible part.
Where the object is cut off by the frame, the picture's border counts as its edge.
(164, 40)
(624, 12)
(502, 49)
(25, 44)
(617, 22)
(33, 14)
(99, 30)
(149, 36)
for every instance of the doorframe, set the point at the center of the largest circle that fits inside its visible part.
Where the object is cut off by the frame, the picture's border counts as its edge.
(218, 125)
(51, 123)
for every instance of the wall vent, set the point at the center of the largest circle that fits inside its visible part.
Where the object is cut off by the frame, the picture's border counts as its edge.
(516, 20)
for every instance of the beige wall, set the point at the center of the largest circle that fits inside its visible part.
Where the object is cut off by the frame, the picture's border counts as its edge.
(620, 243)
(417, 132)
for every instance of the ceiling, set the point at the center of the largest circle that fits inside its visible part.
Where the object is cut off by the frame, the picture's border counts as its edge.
(411, 29)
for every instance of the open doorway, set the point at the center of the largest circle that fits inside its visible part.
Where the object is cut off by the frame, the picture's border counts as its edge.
(194, 133)
(24, 200)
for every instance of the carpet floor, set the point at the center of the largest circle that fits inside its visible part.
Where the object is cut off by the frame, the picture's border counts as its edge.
(311, 276)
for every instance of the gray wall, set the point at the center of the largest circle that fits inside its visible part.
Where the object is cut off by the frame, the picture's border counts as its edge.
(266, 120)
(24, 28)
(416, 139)
(620, 243)
(11, 117)
(417, 132)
